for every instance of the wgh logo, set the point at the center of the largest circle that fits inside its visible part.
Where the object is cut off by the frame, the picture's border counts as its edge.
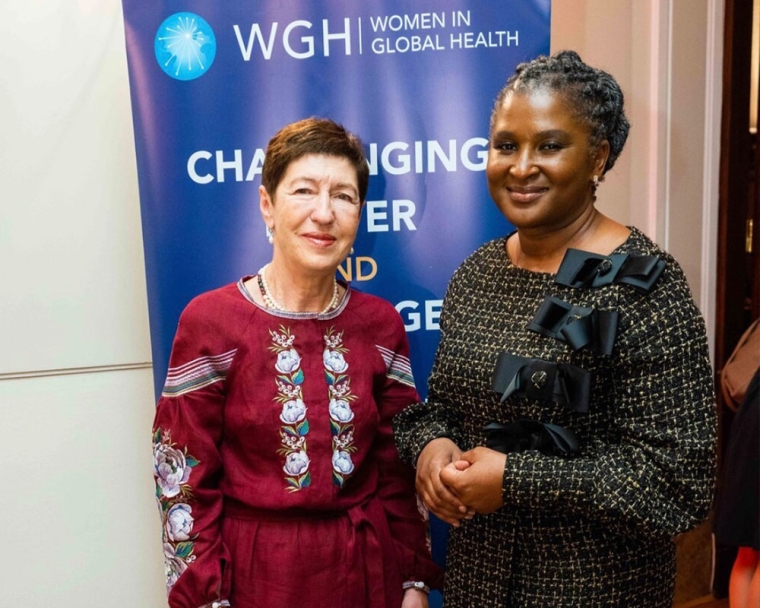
(185, 46)
(297, 39)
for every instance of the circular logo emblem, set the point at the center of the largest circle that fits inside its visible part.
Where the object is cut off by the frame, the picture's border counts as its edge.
(185, 46)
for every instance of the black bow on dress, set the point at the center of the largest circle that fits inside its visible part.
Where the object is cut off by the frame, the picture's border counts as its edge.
(583, 269)
(578, 326)
(522, 435)
(562, 383)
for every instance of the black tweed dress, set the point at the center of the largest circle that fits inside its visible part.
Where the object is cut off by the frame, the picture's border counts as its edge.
(593, 528)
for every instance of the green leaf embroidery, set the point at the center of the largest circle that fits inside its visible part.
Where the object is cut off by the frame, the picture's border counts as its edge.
(290, 431)
(337, 479)
(184, 549)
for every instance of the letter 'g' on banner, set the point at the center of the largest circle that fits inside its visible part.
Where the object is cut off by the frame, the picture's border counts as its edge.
(211, 82)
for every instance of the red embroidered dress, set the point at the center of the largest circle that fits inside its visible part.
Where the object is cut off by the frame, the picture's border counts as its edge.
(276, 473)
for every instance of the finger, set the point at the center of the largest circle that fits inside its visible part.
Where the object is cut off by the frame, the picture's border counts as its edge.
(461, 465)
(444, 498)
(442, 507)
(467, 455)
(450, 477)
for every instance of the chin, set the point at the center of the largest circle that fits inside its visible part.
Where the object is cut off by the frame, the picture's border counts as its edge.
(322, 266)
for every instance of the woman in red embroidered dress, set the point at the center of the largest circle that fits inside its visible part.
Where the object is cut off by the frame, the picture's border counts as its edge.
(276, 473)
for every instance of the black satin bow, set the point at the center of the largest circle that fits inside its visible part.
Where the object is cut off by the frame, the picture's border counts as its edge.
(584, 269)
(562, 383)
(522, 435)
(579, 327)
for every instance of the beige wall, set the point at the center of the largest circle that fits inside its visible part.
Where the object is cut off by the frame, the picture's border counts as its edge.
(667, 56)
(75, 380)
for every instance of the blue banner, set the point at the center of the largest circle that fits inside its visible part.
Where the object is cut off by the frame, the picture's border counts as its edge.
(212, 82)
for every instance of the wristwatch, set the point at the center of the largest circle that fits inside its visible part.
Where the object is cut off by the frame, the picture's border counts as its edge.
(418, 585)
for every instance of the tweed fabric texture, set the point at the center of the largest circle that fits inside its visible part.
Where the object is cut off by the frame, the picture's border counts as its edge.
(596, 528)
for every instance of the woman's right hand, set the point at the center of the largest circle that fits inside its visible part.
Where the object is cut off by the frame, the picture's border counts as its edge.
(436, 495)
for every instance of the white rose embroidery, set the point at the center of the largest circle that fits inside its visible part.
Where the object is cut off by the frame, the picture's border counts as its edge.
(174, 566)
(293, 411)
(342, 463)
(171, 469)
(334, 361)
(288, 361)
(179, 522)
(340, 410)
(296, 463)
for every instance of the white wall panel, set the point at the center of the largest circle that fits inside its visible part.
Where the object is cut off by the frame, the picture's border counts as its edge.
(80, 524)
(72, 275)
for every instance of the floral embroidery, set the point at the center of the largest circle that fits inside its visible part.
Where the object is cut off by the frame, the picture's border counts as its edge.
(341, 414)
(295, 424)
(172, 469)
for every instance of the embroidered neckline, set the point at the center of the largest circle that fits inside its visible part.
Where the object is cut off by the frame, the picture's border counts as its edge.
(270, 302)
(342, 303)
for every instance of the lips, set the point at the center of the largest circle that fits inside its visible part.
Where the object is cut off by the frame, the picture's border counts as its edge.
(320, 239)
(526, 194)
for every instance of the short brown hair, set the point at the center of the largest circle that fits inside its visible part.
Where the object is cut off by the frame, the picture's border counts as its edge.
(313, 136)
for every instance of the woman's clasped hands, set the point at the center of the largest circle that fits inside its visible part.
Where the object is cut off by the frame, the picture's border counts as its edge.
(455, 485)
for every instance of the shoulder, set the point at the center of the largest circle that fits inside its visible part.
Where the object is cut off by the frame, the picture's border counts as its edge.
(486, 258)
(209, 305)
(373, 308)
(673, 283)
(667, 313)
(376, 318)
(207, 338)
(215, 315)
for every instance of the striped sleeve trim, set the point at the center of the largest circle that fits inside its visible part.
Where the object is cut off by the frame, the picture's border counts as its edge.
(398, 367)
(197, 373)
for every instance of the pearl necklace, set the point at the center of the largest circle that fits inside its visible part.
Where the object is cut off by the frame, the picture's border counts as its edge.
(270, 302)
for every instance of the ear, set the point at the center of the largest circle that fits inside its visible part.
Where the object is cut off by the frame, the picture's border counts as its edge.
(266, 206)
(600, 158)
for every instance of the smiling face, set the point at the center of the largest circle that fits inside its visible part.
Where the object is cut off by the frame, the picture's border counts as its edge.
(540, 164)
(314, 214)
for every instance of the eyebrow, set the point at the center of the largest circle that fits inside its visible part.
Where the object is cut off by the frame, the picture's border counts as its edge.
(549, 133)
(312, 180)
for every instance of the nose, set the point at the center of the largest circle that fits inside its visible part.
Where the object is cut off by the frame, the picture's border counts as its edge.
(322, 212)
(523, 165)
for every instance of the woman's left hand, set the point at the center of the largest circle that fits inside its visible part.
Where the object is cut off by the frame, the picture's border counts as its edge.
(414, 598)
(477, 479)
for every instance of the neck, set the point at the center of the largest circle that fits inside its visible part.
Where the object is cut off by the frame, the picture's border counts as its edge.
(307, 293)
(542, 250)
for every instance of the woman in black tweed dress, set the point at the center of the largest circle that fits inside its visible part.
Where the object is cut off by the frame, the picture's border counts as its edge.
(570, 428)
